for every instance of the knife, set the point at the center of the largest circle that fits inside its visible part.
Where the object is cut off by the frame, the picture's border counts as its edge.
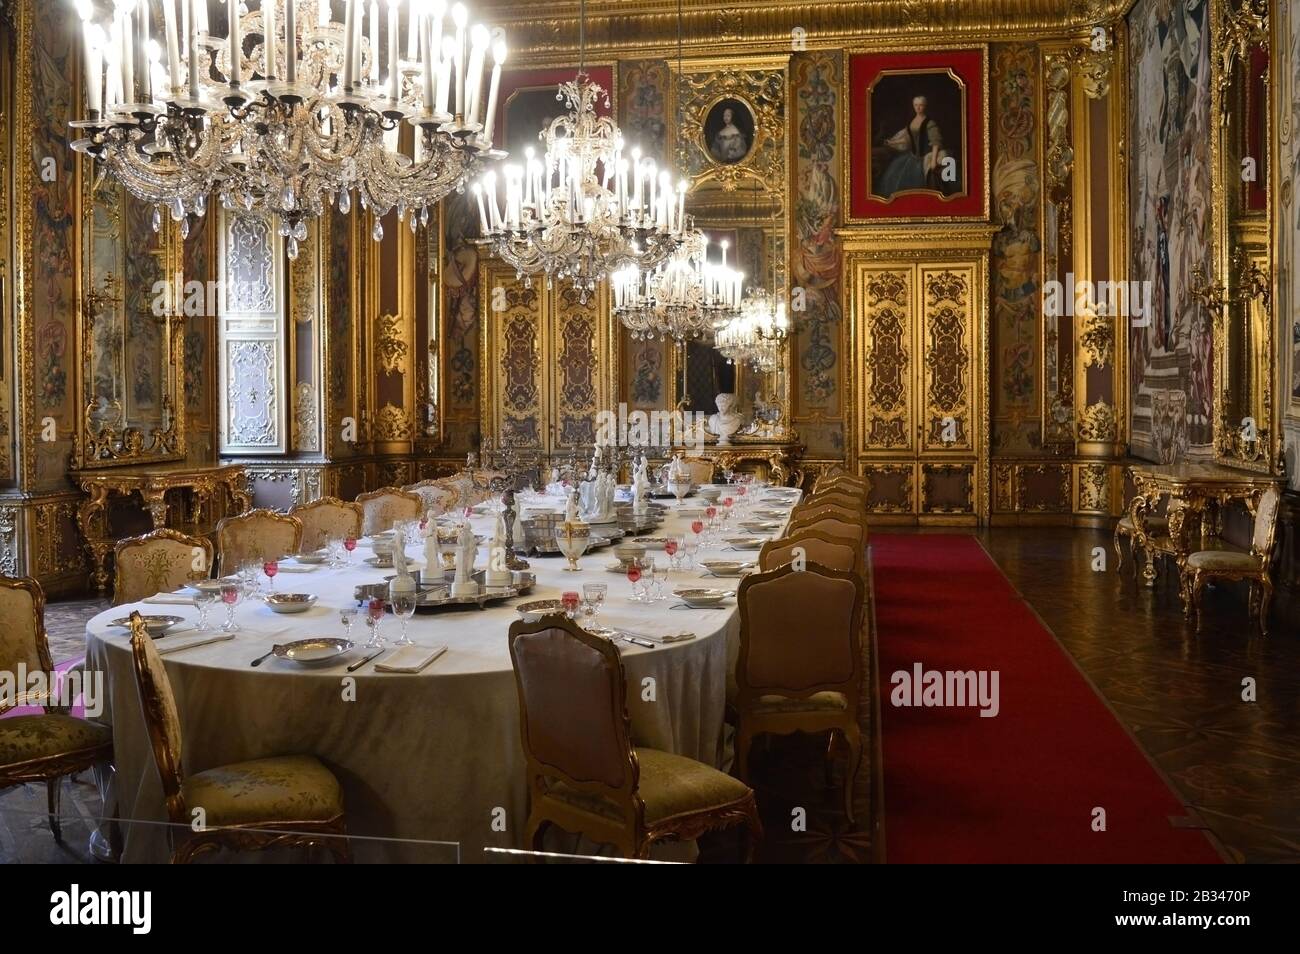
(375, 655)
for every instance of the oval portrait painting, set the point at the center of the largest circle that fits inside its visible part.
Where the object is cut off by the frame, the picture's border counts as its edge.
(729, 130)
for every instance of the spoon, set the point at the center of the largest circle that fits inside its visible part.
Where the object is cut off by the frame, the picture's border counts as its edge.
(269, 652)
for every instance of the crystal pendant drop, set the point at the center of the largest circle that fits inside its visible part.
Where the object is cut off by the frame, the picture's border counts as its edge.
(200, 205)
(287, 199)
(292, 247)
(178, 209)
(415, 224)
(378, 232)
(300, 231)
(185, 227)
(157, 218)
(424, 215)
(345, 202)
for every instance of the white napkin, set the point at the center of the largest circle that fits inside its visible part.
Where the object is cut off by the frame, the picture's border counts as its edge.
(170, 599)
(297, 568)
(410, 659)
(198, 639)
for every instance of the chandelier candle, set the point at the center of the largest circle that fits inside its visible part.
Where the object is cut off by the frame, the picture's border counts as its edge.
(268, 37)
(458, 17)
(291, 42)
(236, 47)
(394, 74)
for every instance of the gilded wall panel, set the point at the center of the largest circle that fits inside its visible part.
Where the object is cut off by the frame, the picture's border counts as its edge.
(460, 323)
(198, 344)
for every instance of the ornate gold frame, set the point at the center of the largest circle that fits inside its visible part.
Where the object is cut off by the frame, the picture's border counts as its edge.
(108, 446)
(919, 45)
(1241, 289)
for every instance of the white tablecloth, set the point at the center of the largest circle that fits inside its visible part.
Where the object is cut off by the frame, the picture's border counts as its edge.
(424, 758)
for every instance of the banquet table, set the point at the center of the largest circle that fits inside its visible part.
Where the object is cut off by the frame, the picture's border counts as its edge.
(430, 763)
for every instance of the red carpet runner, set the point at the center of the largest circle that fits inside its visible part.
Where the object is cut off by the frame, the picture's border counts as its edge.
(1021, 786)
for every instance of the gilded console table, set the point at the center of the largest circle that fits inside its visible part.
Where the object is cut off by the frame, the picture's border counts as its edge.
(1197, 495)
(207, 483)
(779, 457)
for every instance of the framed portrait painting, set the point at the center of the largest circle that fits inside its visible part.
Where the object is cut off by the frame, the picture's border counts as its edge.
(527, 105)
(918, 135)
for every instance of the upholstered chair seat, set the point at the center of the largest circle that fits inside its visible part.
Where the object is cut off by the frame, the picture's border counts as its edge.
(584, 775)
(32, 738)
(1222, 560)
(158, 562)
(817, 702)
(671, 786)
(288, 788)
(1160, 524)
(48, 746)
(278, 802)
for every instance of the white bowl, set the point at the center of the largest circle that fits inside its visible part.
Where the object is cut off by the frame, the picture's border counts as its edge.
(290, 602)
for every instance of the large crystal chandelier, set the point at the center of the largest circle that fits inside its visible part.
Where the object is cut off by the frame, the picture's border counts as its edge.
(581, 210)
(685, 297)
(755, 335)
(291, 110)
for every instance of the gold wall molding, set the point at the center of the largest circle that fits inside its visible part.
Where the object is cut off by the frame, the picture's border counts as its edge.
(390, 344)
(1098, 423)
(392, 423)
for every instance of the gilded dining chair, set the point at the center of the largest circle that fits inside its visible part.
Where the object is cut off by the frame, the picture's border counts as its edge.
(800, 667)
(584, 773)
(326, 519)
(383, 508)
(284, 801)
(45, 747)
(838, 553)
(840, 481)
(816, 510)
(259, 535)
(1203, 566)
(158, 562)
(441, 495)
(1126, 528)
(701, 469)
(835, 526)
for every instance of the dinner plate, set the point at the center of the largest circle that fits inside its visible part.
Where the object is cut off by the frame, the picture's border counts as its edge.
(700, 597)
(211, 586)
(154, 625)
(727, 567)
(536, 609)
(746, 543)
(314, 651)
(311, 559)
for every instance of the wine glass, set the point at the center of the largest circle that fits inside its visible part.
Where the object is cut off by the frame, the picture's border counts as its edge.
(348, 616)
(231, 594)
(569, 599)
(403, 609)
(670, 548)
(691, 547)
(593, 594)
(660, 579)
(634, 577)
(270, 568)
(374, 617)
(649, 579)
(349, 544)
(203, 602)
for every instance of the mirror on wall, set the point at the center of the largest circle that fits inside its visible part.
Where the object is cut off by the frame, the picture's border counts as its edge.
(132, 298)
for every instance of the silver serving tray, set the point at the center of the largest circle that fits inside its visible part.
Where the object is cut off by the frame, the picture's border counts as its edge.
(435, 596)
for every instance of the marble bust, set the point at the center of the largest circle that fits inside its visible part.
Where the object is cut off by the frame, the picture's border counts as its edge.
(726, 422)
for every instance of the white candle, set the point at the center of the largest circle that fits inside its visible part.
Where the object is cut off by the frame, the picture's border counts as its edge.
(394, 74)
(323, 13)
(143, 76)
(290, 41)
(444, 73)
(235, 42)
(413, 29)
(474, 73)
(349, 38)
(498, 59)
(201, 23)
(193, 41)
(268, 38)
(459, 16)
(482, 213)
(94, 67)
(186, 36)
(426, 50)
(374, 42)
(173, 45)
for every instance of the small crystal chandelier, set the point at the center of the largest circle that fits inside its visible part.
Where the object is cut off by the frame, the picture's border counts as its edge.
(755, 336)
(291, 110)
(683, 298)
(581, 210)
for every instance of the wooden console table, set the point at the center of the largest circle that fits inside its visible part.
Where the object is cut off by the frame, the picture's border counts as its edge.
(1197, 495)
(207, 484)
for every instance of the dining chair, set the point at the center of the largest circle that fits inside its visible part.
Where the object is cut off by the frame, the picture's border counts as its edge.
(815, 510)
(284, 801)
(840, 481)
(800, 666)
(48, 746)
(584, 773)
(1126, 528)
(833, 525)
(259, 535)
(441, 494)
(1202, 566)
(838, 553)
(382, 508)
(701, 469)
(326, 519)
(158, 562)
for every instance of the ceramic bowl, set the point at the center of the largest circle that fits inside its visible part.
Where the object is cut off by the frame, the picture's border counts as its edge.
(290, 602)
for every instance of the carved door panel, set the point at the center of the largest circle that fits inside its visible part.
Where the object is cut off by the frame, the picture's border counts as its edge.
(516, 379)
(919, 382)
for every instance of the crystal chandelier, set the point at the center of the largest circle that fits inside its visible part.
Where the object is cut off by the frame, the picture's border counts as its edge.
(685, 297)
(581, 210)
(291, 110)
(756, 334)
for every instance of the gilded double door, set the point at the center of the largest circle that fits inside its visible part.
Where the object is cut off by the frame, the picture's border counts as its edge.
(548, 365)
(919, 320)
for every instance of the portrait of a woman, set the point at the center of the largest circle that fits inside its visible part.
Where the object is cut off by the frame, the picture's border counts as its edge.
(729, 131)
(917, 147)
(919, 158)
